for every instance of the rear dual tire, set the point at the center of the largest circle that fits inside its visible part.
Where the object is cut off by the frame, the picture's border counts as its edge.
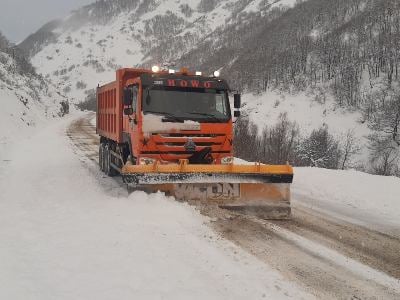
(105, 159)
(101, 157)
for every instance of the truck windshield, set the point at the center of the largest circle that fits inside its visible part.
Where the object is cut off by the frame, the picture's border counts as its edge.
(205, 105)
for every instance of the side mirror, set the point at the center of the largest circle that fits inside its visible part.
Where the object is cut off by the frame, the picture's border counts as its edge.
(128, 97)
(128, 111)
(237, 101)
(236, 113)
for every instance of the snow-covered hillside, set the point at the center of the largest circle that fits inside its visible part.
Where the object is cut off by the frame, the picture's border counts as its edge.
(310, 111)
(86, 47)
(27, 101)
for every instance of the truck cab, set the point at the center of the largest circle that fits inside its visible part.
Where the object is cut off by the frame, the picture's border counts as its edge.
(169, 116)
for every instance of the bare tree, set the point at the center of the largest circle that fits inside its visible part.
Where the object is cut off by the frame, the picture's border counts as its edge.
(350, 147)
(275, 145)
(320, 149)
(4, 43)
(387, 118)
(278, 143)
(384, 155)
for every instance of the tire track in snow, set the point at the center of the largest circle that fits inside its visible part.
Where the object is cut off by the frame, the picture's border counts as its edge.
(320, 269)
(83, 136)
(375, 249)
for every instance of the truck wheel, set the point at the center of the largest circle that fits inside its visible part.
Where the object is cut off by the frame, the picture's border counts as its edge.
(106, 158)
(111, 159)
(101, 157)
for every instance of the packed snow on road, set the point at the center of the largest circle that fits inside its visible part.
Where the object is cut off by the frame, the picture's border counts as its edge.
(69, 233)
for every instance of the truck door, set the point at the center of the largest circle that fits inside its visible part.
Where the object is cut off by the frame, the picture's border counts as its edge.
(134, 118)
(130, 132)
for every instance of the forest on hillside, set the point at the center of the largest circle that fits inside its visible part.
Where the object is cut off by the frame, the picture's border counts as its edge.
(345, 49)
(22, 64)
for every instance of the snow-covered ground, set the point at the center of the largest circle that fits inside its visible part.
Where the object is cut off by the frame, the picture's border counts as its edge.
(66, 234)
(359, 198)
(254, 6)
(368, 200)
(14, 116)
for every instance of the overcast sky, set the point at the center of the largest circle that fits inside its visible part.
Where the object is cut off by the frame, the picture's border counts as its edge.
(19, 18)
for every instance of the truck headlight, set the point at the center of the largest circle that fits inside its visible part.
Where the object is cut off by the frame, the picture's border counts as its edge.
(227, 160)
(146, 161)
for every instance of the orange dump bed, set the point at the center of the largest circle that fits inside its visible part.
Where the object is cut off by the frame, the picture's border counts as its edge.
(109, 112)
(110, 104)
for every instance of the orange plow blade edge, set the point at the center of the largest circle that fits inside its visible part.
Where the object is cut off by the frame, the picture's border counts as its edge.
(261, 190)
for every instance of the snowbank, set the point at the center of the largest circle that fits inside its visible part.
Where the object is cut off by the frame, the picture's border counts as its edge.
(367, 199)
(68, 234)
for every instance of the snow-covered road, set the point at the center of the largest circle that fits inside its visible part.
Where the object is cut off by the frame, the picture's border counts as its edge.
(326, 253)
(68, 233)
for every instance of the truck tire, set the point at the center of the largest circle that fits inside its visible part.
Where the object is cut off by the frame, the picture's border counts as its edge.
(106, 158)
(101, 157)
(112, 172)
(108, 170)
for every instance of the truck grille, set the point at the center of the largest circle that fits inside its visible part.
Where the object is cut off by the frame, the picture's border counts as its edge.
(187, 135)
(174, 143)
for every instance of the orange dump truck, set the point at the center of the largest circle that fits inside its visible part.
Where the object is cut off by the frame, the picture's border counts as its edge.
(170, 131)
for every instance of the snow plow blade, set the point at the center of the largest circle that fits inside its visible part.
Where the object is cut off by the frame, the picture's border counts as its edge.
(260, 190)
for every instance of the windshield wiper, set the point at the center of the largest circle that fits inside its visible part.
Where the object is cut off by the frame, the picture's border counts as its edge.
(168, 116)
(209, 116)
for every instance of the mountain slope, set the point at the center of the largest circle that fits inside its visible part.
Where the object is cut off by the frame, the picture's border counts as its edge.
(324, 63)
(27, 99)
(85, 48)
(350, 45)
